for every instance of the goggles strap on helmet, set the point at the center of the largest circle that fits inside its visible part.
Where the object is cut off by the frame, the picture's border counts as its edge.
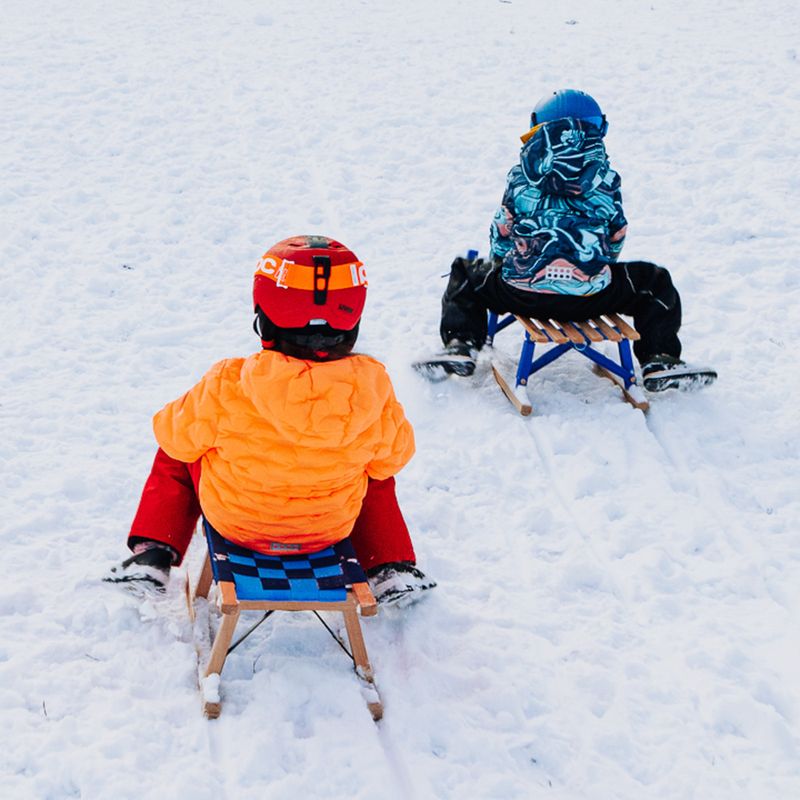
(265, 329)
(322, 276)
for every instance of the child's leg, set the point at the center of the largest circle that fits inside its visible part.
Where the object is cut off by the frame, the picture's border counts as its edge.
(380, 534)
(168, 510)
(646, 292)
(463, 306)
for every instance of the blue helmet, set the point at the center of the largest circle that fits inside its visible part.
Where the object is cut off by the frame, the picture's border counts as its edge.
(569, 103)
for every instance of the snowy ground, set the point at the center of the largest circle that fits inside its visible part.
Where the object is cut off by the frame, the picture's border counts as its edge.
(619, 594)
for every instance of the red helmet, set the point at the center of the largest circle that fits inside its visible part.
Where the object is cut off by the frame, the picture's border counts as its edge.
(308, 291)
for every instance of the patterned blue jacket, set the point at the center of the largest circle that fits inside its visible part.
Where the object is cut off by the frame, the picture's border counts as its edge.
(560, 210)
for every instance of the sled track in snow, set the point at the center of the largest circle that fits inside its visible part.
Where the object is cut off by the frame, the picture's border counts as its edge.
(690, 473)
(566, 504)
(405, 787)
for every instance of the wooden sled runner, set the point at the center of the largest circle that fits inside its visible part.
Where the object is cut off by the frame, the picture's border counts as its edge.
(564, 337)
(328, 580)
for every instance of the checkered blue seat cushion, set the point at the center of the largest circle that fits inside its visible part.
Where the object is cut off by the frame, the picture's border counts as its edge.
(322, 576)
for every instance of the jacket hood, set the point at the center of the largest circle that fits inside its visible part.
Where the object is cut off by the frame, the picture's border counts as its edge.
(326, 402)
(565, 157)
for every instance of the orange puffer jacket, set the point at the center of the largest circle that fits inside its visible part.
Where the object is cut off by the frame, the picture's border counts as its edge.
(287, 445)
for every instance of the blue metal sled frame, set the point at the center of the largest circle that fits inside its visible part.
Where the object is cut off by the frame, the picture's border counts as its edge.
(528, 364)
(563, 337)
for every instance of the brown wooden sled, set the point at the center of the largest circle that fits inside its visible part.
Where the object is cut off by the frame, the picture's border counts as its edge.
(358, 600)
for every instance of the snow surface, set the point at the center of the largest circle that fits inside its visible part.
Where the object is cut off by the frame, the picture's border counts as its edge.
(618, 601)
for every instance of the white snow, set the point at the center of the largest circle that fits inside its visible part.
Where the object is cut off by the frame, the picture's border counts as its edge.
(618, 600)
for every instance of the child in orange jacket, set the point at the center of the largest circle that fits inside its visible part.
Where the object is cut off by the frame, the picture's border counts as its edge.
(293, 448)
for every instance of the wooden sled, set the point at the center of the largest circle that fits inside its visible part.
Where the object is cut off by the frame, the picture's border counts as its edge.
(564, 337)
(328, 580)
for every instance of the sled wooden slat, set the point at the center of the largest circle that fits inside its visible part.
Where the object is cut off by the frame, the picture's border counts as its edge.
(607, 330)
(555, 334)
(626, 330)
(573, 334)
(537, 334)
(590, 331)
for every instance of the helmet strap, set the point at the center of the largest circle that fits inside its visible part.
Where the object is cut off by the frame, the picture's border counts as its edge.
(268, 343)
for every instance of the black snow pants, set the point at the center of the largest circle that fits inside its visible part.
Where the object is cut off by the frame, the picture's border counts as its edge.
(638, 289)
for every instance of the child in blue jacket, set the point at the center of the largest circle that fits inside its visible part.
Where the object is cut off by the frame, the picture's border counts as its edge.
(555, 241)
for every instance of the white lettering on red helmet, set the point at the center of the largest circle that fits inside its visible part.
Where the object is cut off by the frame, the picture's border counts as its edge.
(266, 265)
(358, 272)
(281, 272)
(269, 265)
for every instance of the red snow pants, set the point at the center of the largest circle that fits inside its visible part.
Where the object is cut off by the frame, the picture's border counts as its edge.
(169, 509)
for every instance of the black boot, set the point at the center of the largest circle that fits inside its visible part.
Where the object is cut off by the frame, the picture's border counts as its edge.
(398, 583)
(147, 568)
(663, 372)
(457, 358)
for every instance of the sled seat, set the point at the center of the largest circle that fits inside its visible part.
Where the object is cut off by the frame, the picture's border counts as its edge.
(331, 579)
(578, 335)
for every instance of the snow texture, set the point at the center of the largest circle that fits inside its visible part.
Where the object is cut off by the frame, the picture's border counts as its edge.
(618, 600)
